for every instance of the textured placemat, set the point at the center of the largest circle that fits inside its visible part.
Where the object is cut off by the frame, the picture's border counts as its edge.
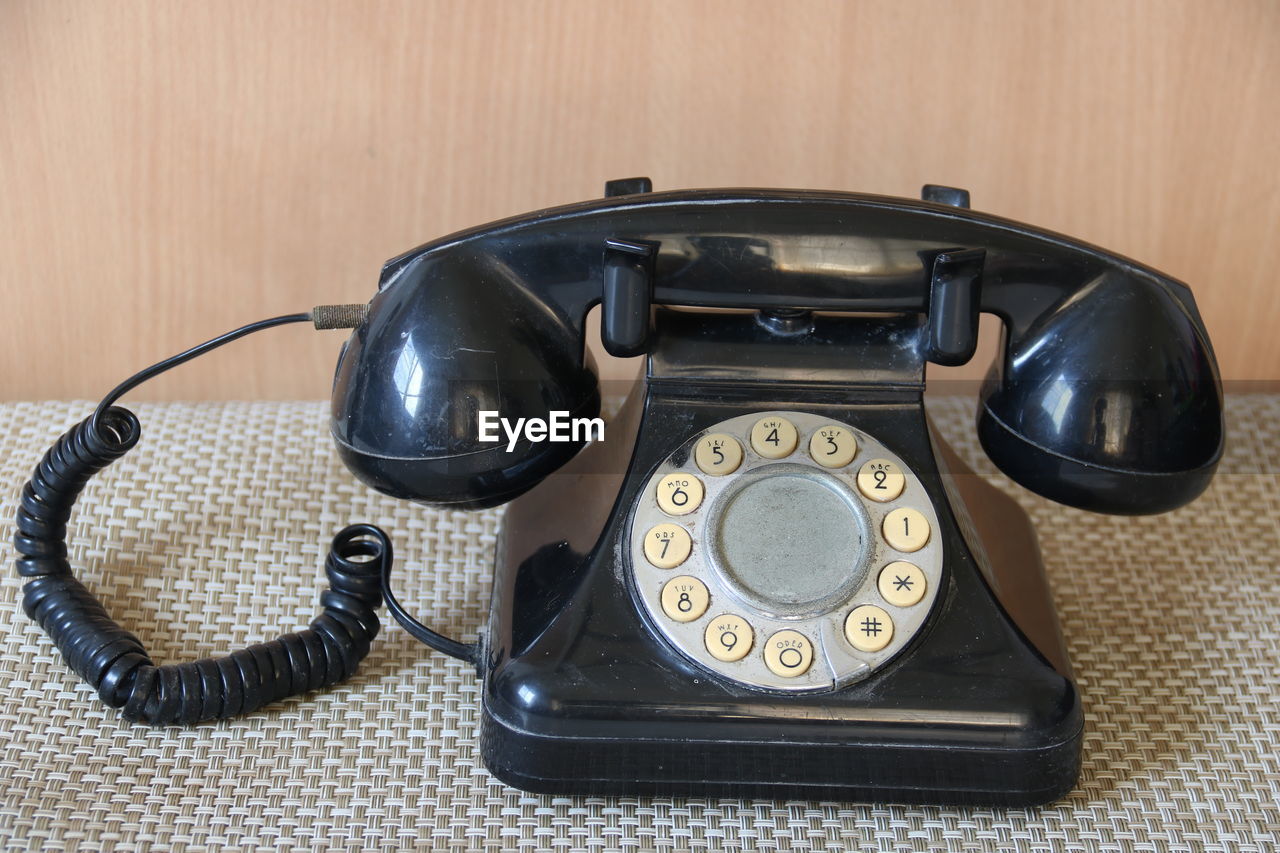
(209, 536)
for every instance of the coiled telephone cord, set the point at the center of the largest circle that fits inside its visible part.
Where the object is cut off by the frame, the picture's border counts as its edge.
(116, 663)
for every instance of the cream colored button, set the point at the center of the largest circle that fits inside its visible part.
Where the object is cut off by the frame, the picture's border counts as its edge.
(718, 454)
(667, 545)
(679, 493)
(833, 446)
(788, 654)
(902, 584)
(905, 529)
(868, 628)
(881, 480)
(773, 437)
(728, 637)
(685, 598)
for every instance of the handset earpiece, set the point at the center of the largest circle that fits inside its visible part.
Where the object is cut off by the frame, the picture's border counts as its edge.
(1107, 397)
(451, 339)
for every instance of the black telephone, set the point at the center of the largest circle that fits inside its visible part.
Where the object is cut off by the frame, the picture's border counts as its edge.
(770, 577)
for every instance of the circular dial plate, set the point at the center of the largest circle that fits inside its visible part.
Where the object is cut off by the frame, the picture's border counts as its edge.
(791, 543)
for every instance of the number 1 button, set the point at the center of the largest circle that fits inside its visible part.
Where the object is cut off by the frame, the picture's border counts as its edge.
(679, 493)
(906, 529)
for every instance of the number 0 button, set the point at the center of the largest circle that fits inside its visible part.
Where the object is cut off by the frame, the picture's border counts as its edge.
(833, 446)
(728, 637)
(773, 437)
(881, 480)
(667, 545)
(679, 493)
(906, 529)
(788, 654)
(718, 454)
(685, 598)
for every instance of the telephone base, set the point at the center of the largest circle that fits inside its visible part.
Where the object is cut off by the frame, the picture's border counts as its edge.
(779, 769)
(583, 694)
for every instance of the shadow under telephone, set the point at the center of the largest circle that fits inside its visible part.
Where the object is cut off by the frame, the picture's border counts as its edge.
(771, 576)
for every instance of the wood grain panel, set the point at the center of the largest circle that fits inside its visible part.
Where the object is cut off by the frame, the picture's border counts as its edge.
(170, 170)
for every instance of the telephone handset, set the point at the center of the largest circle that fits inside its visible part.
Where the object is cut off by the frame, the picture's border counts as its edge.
(771, 577)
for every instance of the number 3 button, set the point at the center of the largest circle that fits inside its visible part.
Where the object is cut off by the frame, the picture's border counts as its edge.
(679, 493)
(685, 598)
(833, 446)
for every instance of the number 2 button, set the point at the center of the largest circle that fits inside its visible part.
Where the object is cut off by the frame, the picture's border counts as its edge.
(679, 493)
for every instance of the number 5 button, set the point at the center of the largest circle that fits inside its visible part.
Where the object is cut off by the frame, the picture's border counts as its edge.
(679, 493)
(718, 454)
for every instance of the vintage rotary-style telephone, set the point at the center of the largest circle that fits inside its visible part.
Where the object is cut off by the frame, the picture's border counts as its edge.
(770, 576)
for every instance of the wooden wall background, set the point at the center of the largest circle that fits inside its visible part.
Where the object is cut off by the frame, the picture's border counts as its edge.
(170, 170)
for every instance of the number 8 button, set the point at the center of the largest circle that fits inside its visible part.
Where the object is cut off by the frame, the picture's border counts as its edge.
(685, 598)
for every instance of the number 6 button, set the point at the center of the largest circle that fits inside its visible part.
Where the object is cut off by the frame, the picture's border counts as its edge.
(679, 493)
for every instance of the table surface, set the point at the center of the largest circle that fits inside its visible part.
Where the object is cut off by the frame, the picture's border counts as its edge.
(209, 536)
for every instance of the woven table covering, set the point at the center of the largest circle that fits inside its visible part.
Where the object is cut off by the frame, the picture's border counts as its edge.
(210, 536)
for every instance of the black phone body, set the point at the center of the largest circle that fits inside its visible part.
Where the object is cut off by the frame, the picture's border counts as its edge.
(582, 693)
(786, 336)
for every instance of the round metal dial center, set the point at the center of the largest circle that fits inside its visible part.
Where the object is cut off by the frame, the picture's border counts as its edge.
(790, 539)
